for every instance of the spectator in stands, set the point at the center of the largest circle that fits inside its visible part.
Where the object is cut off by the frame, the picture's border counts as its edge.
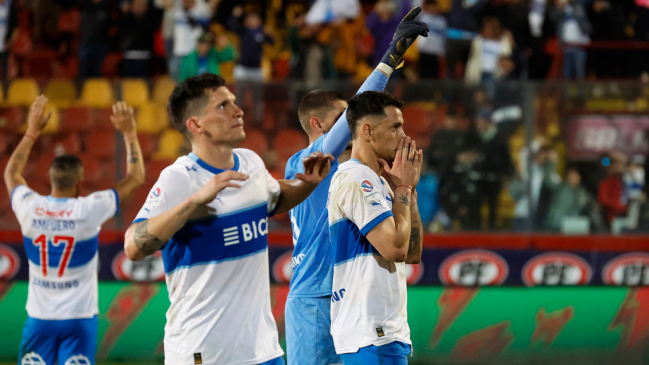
(431, 48)
(611, 193)
(137, 26)
(96, 21)
(486, 49)
(206, 57)
(247, 72)
(446, 144)
(573, 31)
(531, 207)
(384, 18)
(634, 177)
(427, 195)
(8, 22)
(191, 18)
(458, 190)
(568, 199)
(494, 162)
(463, 26)
(168, 6)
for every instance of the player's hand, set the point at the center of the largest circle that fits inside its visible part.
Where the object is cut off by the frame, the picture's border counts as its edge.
(316, 167)
(405, 35)
(406, 167)
(36, 120)
(215, 185)
(123, 117)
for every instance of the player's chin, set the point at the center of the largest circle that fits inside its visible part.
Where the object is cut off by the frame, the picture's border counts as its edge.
(238, 138)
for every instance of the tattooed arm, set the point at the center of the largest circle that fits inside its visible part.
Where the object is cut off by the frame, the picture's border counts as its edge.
(36, 122)
(123, 119)
(391, 236)
(144, 238)
(416, 233)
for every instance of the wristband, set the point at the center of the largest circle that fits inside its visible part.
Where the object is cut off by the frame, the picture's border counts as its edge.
(30, 136)
(385, 68)
(405, 186)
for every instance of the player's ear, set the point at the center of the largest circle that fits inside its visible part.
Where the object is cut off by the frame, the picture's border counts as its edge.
(193, 125)
(315, 124)
(366, 131)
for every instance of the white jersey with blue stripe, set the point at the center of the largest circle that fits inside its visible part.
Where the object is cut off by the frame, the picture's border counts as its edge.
(369, 299)
(61, 243)
(217, 265)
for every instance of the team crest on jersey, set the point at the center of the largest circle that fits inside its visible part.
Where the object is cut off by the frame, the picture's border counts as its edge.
(32, 358)
(367, 186)
(9, 262)
(78, 360)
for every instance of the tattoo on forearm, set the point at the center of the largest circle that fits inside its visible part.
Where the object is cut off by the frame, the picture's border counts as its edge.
(134, 155)
(413, 246)
(182, 211)
(404, 199)
(145, 241)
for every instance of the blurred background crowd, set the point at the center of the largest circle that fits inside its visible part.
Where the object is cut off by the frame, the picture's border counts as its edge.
(531, 112)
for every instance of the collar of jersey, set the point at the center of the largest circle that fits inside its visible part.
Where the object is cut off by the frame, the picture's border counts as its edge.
(360, 163)
(59, 200)
(210, 168)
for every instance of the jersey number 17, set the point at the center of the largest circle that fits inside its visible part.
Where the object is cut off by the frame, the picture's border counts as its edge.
(41, 243)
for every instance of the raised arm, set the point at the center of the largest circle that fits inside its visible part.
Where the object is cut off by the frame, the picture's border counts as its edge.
(294, 192)
(407, 31)
(36, 122)
(392, 237)
(144, 238)
(123, 119)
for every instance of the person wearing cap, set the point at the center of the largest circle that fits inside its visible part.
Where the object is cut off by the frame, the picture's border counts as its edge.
(206, 57)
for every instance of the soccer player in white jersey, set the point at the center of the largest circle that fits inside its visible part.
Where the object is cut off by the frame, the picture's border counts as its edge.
(208, 213)
(321, 113)
(60, 233)
(375, 230)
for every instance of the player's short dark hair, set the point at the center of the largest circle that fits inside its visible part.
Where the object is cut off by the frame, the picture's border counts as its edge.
(190, 97)
(369, 103)
(64, 171)
(316, 103)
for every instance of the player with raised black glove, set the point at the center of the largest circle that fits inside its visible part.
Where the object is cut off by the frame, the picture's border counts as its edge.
(404, 37)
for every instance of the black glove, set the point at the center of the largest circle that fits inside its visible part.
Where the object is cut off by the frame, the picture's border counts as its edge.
(405, 35)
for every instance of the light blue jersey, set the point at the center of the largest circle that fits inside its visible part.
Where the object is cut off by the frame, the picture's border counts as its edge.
(312, 262)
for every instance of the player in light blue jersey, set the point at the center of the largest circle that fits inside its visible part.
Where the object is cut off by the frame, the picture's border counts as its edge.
(321, 113)
(208, 214)
(60, 233)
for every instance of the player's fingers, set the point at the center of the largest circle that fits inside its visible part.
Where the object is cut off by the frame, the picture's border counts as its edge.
(404, 149)
(114, 109)
(317, 166)
(397, 156)
(412, 151)
(412, 14)
(384, 164)
(235, 175)
(330, 157)
(47, 117)
(232, 185)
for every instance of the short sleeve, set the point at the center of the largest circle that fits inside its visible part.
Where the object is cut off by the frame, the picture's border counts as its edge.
(362, 202)
(169, 191)
(100, 206)
(274, 191)
(21, 197)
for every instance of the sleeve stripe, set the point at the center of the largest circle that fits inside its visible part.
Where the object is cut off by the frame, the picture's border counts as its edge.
(138, 220)
(116, 202)
(272, 212)
(13, 191)
(375, 222)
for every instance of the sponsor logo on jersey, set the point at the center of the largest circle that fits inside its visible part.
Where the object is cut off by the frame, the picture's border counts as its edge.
(193, 167)
(98, 196)
(32, 358)
(42, 212)
(9, 262)
(414, 272)
(283, 266)
(151, 268)
(629, 269)
(155, 193)
(27, 195)
(232, 235)
(473, 267)
(556, 268)
(337, 295)
(367, 186)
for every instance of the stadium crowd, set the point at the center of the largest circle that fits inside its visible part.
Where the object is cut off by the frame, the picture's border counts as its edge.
(485, 170)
